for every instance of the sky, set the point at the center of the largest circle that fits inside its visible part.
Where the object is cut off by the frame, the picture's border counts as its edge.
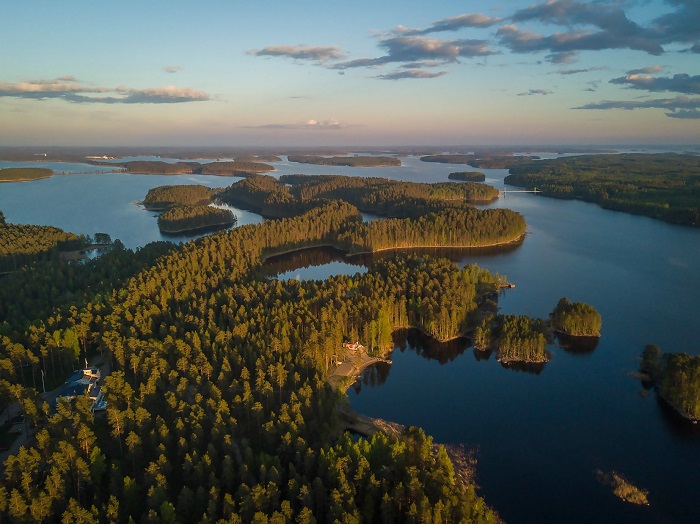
(372, 73)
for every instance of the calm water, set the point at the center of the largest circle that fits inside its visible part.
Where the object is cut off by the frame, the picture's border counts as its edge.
(540, 436)
(104, 203)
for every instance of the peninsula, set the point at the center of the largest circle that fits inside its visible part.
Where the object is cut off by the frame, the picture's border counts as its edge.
(349, 161)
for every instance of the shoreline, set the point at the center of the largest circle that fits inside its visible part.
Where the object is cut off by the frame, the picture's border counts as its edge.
(198, 228)
(349, 253)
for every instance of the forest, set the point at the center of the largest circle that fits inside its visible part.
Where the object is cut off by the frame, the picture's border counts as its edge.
(663, 186)
(183, 218)
(21, 244)
(218, 405)
(350, 161)
(677, 379)
(21, 174)
(467, 176)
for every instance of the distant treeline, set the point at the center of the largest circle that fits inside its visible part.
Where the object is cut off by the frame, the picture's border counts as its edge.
(467, 176)
(351, 161)
(664, 186)
(19, 174)
(153, 167)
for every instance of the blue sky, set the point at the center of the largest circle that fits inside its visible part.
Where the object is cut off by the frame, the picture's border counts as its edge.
(350, 73)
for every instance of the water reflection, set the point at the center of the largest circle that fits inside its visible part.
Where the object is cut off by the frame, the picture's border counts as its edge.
(676, 424)
(316, 259)
(428, 347)
(534, 368)
(372, 376)
(577, 345)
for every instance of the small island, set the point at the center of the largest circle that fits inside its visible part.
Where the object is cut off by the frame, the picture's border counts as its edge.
(516, 338)
(348, 161)
(448, 159)
(186, 208)
(467, 176)
(24, 174)
(623, 488)
(676, 377)
(575, 319)
(182, 219)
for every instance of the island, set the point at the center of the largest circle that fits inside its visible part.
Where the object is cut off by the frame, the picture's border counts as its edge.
(22, 244)
(157, 167)
(349, 161)
(467, 176)
(164, 197)
(448, 159)
(185, 208)
(676, 377)
(184, 218)
(575, 319)
(662, 186)
(24, 174)
(516, 338)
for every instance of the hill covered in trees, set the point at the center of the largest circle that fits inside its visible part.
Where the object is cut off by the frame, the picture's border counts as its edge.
(664, 186)
(21, 244)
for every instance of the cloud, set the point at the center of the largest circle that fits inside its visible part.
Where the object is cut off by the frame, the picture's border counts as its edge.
(536, 92)
(70, 90)
(172, 69)
(685, 114)
(682, 107)
(680, 83)
(454, 23)
(418, 48)
(645, 70)
(577, 71)
(680, 25)
(321, 125)
(313, 53)
(522, 41)
(411, 73)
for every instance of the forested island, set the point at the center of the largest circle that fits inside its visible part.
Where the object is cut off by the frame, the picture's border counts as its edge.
(164, 197)
(350, 161)
(664, 186)
(677, 379)
(524, 339)
(467, 176)
(182, 218)
(156, 167)
(24, 174)
(448, 159)
(576, 319)
(186, 208)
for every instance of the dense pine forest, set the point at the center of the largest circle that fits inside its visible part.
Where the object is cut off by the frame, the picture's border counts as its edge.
(467, 176)
(21, 244)
(164, 197)
(576, 319)
(664, 186)
(191, 218)
(218, 402)
(157, 167)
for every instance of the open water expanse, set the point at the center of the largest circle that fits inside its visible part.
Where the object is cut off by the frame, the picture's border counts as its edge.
(539, 437)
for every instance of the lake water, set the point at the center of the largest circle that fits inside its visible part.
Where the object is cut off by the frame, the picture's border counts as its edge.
(540, 437)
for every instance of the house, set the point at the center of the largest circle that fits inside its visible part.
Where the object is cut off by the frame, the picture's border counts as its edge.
(84, 381)
(355, 347)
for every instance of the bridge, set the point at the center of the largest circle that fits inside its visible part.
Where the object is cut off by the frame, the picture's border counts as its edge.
(505, 191)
